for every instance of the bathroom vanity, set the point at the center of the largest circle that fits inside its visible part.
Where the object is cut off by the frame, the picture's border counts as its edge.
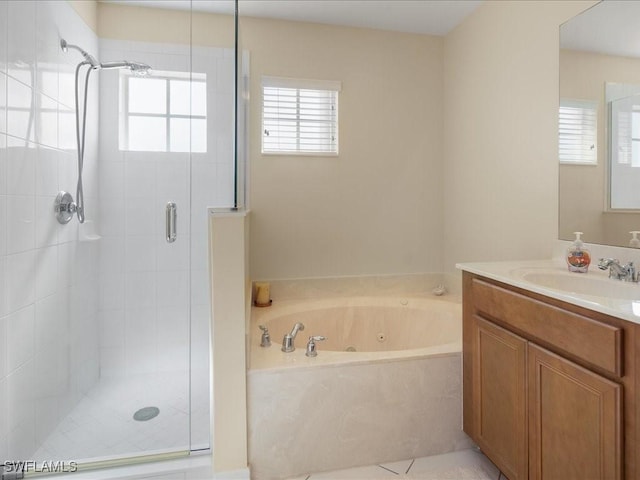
(549, 377)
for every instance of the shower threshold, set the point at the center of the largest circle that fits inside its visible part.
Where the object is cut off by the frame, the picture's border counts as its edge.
(188, 465)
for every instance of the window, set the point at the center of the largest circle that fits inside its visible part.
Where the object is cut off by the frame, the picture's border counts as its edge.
(635, 136)
(628, 136)
(165, 112)
(578, 129)
(299, 117)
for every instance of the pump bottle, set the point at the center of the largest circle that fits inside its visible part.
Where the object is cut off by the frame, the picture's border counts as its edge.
(578, 257)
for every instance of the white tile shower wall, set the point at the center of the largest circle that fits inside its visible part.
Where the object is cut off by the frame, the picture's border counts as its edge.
(148, 287)
(48, 280)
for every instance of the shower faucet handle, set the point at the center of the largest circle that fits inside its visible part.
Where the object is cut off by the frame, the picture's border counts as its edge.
(311, 346)
(65, 207)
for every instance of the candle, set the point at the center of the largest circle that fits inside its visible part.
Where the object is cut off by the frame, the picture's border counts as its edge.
(263, 297)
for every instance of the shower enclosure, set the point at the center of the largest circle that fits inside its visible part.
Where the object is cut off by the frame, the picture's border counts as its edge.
(104, 317)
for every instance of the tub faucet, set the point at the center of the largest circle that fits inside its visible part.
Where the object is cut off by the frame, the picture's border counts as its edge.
(265, 341)
(618, 272)
(311, 346)
(287, 341)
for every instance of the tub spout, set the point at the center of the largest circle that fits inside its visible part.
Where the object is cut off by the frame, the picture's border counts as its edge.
(287, 341)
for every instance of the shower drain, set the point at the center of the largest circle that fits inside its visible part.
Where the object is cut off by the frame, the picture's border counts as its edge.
(146, 413)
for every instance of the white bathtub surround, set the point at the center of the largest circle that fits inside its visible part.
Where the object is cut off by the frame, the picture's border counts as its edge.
(328, 418)
(343, 409)
(405, 284)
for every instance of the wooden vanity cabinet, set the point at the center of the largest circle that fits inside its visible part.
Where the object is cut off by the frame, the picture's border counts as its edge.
(498, 403)
(549, 387)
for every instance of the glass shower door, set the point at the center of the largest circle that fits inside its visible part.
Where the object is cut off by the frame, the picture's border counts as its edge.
(145, 204)
(104, 325)
(128, 355)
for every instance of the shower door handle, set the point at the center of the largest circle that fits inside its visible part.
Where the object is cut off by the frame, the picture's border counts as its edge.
(172, 216)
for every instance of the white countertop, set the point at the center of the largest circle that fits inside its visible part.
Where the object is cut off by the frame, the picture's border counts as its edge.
(511, 273)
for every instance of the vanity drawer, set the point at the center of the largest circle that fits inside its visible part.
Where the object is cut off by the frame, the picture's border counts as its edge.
(593, 342)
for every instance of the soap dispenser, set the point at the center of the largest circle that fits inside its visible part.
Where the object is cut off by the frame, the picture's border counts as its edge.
(578, 257)
(635, 241)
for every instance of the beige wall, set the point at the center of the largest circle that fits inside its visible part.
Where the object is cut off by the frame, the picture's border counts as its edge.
(377, 207)
(143, 24)
(582, 188)
(500, 124)
(88, 11)
(447, 146)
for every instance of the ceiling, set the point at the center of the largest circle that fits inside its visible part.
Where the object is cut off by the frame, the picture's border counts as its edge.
(433, 17)
(610, 27)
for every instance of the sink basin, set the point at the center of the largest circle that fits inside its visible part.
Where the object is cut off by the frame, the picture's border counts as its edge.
(589, 284)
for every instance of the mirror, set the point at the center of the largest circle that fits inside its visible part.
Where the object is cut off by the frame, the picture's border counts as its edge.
(600, 66)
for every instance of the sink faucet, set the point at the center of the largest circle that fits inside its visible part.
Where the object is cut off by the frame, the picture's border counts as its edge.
(287, 341)
(619, 272)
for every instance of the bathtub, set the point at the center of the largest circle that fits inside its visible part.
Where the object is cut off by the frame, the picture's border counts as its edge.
(385, 385)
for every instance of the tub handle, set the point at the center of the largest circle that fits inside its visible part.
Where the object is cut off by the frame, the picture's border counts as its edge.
(311, 346)
(265, 341)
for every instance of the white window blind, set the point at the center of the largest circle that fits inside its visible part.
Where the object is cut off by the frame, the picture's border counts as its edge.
(578, 132)
(299, 117)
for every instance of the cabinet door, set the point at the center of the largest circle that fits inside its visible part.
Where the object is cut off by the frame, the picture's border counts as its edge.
(499, 403)
(575, 421)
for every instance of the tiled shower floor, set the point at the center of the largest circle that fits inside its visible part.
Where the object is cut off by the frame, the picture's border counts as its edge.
(101, 426)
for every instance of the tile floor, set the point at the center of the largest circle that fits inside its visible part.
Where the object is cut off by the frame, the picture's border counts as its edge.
(462, 465)
(102, 427)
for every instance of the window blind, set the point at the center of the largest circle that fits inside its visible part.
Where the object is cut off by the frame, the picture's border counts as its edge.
(299, 116)
(625, 122)
(577, 126)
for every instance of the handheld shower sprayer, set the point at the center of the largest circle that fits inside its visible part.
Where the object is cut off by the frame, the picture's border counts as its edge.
(65, 206)
(137, 68)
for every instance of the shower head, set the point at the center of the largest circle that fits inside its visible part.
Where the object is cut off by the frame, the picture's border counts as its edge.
(88, 58)
(140, 69)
